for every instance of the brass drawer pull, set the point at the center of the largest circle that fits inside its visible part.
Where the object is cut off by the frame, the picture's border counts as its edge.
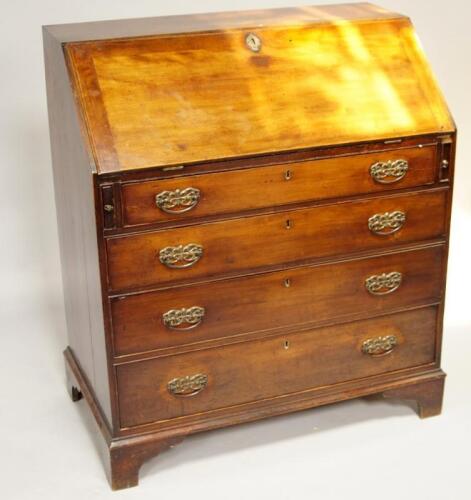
(188, 386)
(174, 318)
(379, 346)
(387, 223)
(389, 172)
(181, 256)
(178, 201)
(383, 284)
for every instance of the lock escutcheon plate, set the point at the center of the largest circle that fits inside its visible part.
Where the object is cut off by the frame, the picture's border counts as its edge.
(253, 42)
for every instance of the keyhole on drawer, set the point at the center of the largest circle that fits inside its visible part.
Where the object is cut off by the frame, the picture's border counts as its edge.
(289, 224)
(288, 175)
(286, 344)
(287, 282)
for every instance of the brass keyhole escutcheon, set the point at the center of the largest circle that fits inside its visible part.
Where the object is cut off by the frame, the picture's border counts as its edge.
(288, 175)
(287, 282)
(289, 224)
(286, 344)
(253, 42)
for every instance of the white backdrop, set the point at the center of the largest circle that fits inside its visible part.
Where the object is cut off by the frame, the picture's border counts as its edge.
(371, 449)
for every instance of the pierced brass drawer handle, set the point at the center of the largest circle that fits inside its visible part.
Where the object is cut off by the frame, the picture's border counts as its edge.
(181, 256)
(178, 201)
(389, 172)
(188, 386)
(175, 318)
(386, 223)
(379, 346)
(382, 284)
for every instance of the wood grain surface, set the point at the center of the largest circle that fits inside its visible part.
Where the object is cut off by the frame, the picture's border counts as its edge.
(267, 368)
(180, 99)
(259, 242)
(248, 189)
(309, 295)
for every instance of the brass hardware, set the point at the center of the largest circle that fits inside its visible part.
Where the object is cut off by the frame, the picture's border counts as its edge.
(289, 224)
(387, 223)
(383, 284)
(393, 141)
(379, 346)
(288, 175)
(171, 201)
(253, 42)
(109, 212)
(181, 256)
(287, 282)
(169, 169)
(286, 344)
(174, 318)
(187, 386)
(388, 172)
(446, 152)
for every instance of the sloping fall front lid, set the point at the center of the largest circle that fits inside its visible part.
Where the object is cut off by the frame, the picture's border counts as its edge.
(231, 87)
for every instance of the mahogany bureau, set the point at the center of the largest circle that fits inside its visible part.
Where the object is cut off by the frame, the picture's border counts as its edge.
(254, 214)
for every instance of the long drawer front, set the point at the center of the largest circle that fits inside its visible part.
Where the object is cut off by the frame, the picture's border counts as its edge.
(252, 188)
(210, 379)
(234, 246)
(191, 314)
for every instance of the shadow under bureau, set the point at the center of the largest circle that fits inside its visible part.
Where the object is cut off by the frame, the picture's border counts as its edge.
(253, 215)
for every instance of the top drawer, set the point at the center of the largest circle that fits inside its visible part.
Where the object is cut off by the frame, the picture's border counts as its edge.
(254, 188)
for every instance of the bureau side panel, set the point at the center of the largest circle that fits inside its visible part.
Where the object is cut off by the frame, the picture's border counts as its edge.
(75, 205)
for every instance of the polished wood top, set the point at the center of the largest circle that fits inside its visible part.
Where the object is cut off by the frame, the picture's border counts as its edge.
(322, 76)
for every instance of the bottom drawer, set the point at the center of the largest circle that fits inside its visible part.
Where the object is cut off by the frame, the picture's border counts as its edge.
(185, 384)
